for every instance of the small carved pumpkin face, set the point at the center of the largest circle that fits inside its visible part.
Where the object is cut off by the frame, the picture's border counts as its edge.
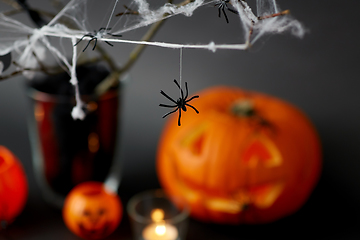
(91, 212)
(239, 163)
(13, 186)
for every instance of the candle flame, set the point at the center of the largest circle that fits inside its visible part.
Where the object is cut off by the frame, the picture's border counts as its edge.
(160, 230)
(157, 215)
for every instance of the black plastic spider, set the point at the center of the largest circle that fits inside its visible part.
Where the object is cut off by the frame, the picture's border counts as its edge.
(222, 4)
(96, 35)
(181, 103)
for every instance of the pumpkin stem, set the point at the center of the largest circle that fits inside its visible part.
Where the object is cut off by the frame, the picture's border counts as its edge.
(243, 108)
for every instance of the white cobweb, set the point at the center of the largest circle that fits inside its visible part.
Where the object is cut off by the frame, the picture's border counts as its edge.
(30, 46)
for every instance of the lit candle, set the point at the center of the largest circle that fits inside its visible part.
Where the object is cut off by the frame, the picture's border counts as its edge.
(159, 230)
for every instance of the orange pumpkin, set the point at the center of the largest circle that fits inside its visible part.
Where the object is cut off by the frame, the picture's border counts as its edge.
(246, 158)
(91, 212)
(13, 186)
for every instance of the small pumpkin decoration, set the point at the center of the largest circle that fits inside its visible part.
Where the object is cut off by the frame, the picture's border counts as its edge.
(246, 158)
(13, 186)
(92, 212)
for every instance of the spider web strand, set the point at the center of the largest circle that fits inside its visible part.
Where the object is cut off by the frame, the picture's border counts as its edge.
(181, 67)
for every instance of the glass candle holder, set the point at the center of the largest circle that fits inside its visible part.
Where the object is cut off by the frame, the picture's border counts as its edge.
(67, 152)
(154, 216)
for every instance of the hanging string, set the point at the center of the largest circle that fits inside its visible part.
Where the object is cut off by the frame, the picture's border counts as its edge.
(181, 57)
(112, 13)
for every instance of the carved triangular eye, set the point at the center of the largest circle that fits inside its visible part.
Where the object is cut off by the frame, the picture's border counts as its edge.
(262, 151)
(195, 140)
(2, 161)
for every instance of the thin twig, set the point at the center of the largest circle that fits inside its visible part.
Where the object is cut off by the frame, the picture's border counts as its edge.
(134, 55)
(13, 4)
(128, 11)
(12, 12)
(282, 13)
(113, 78)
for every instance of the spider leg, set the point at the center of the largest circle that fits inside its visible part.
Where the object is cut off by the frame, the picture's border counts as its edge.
(94, 38)
(88, 44)
(109, 43)
(182, 93)
(163, 93)
(170, 113)
(196, 96)
(220, 6)
(192, 107)
(86, 35)
(164, 105)
(115, 35)
(187, 91)
(223, 10)
(179, 124)
(105, 29)
(176, 83)
(232, 10)
(79, 41)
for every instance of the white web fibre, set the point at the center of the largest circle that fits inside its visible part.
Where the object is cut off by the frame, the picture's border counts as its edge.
(266, 7)
(73, 22)
(1, 67)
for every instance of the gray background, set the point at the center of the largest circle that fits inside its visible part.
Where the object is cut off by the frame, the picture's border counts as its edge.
(318, 73)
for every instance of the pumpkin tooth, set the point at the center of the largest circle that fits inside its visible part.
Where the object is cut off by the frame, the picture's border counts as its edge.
(265, 196)
(224, 205)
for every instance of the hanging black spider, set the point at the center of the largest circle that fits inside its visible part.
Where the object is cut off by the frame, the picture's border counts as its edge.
(97, 35)
(222, 4)
(181, 103)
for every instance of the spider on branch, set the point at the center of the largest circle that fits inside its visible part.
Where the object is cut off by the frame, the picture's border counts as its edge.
(97, 35)
(222, 5)
(181, 103)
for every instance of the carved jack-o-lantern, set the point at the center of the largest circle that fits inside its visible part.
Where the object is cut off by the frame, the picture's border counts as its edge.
(13, 186)
(91, 212)
(246, 158)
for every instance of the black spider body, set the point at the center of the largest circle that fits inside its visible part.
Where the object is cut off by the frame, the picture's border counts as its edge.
(222, 5)
(97, 35)
(181, 103)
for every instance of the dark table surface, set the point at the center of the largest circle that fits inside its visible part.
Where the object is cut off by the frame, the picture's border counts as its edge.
(319, 74)
(332, 212)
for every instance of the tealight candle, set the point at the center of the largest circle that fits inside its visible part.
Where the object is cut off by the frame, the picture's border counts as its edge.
(159, 230)
(156, 217)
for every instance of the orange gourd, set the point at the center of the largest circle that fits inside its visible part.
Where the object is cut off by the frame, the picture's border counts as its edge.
(91, 212)
(246, 158)
(13, 186)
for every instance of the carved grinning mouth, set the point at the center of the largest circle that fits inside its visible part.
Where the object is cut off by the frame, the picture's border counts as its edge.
(261, 196)
(261, 153)
(94, 232)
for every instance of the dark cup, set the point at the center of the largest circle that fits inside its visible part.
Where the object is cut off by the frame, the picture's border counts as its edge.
(65, 151)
